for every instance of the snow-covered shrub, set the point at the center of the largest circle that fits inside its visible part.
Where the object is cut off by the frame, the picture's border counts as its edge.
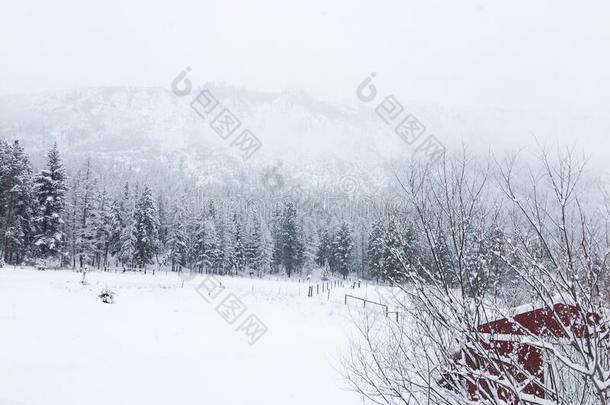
(107, 296)
(539, 246)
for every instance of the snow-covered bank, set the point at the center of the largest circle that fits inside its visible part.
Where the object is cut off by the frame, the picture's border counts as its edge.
(160, 343)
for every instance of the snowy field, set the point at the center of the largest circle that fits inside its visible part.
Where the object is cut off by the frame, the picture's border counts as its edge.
(162, 343)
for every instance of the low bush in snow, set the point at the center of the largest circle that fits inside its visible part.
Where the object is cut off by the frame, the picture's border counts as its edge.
(107, 296)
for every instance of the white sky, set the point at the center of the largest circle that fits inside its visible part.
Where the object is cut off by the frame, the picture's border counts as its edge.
(524, 54)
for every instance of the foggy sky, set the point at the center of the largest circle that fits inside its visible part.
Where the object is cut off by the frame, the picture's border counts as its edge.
(541, 55)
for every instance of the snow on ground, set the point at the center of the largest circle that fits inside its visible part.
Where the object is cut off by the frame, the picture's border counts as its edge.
(162, 343)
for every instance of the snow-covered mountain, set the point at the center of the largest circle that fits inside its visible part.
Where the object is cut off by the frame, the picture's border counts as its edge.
(311, 139)
(305, 136)
(100, 120)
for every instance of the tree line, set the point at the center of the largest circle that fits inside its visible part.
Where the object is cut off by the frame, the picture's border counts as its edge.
(77, 219)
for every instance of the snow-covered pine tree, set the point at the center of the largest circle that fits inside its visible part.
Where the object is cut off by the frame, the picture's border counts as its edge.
(412, 255)
(71, 223)
(216, 242)
(4, 185)
(375, 250)
(444, 263)
(323, 256)
(146, 228)
(256, 252)
(126, 236)
(50, 189)
(343, 247)
(103, 229)
(497, 248)
(199, 251)
(177, 239)
(238, 255)
(401, 253)
(302, 248)
(164, 226)
(116, 227)
(292, 241)
(206, 245)
(16, 201)
(277, 243)
(222, 260)
(87, 218)
(393, 253)
(310, 244)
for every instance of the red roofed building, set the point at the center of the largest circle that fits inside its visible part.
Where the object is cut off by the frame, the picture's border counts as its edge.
(513, 338)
